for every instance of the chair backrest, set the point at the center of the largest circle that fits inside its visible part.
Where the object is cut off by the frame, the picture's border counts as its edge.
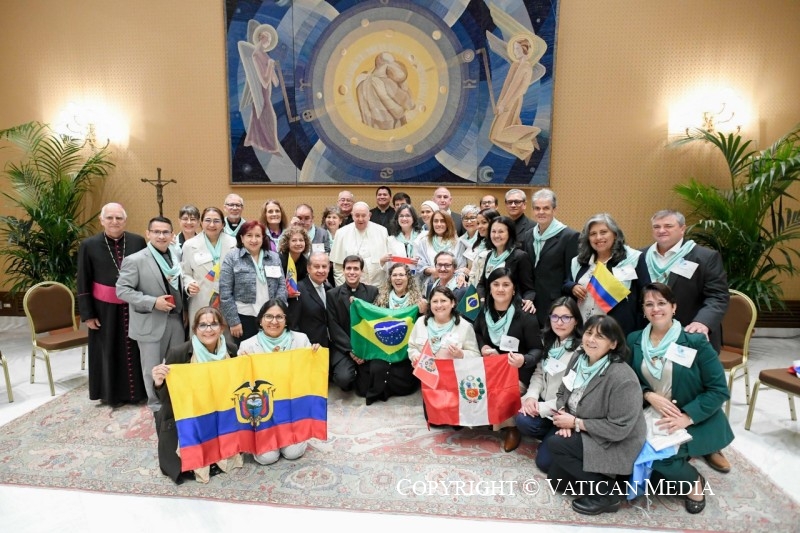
(739, 322)
(49, 305)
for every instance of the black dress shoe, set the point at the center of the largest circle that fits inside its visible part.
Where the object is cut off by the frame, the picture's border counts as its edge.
(696, 506)
(594, 505)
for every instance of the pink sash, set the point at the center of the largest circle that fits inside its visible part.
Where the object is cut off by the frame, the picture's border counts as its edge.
(107, 294)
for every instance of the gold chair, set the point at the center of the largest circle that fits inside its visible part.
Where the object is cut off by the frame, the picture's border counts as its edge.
(50, 307)
(778, 379)
(8, 379)
(737, 328)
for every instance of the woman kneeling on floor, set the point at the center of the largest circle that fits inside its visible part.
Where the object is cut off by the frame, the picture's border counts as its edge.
(207, 344)
(275, 336)
(601, 427)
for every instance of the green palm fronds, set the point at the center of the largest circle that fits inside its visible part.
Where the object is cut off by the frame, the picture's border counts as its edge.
(48, 184)
(757, 236)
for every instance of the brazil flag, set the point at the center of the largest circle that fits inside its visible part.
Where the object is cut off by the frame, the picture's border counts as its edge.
(380, 333)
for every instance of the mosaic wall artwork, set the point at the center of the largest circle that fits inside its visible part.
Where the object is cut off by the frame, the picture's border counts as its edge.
(456, 92)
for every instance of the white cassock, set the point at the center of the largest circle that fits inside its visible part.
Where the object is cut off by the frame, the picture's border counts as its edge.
(370, 245)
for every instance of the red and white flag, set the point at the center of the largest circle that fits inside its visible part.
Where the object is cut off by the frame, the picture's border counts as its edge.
(473, 392)
(426, 370)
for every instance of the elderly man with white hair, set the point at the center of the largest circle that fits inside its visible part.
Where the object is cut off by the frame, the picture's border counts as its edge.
(364, 239)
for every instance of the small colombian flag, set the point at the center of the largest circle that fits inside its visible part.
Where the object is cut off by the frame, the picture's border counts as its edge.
(607, 290)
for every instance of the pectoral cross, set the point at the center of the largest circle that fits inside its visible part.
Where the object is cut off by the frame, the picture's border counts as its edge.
(159, 184)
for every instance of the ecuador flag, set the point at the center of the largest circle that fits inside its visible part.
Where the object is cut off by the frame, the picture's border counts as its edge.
(606, 290)
(473, 392)
(250, 404)
(380, 333)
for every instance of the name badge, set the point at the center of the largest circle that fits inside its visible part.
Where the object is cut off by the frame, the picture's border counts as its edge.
(684, 268)
(554, 366)
(569, 380)
(272, 271)
(508, 343)
(625, 273)
(683, 355)
(469, 256)
(202, 257)
(318, 247)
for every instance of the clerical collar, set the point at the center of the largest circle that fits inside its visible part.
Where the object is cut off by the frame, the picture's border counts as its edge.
(112, 239)
(352, 289)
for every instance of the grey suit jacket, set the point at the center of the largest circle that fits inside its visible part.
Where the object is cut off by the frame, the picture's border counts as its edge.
(321, 236)
(140, 283)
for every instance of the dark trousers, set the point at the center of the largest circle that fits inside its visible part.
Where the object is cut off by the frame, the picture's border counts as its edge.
(538, 428)
(342, 369)
(249, 328)
(568, 468)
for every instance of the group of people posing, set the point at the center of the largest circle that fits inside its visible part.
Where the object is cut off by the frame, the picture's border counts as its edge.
(588, 373)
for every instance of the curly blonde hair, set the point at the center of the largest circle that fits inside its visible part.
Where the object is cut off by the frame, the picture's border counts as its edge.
(414, 293)
(283, 244)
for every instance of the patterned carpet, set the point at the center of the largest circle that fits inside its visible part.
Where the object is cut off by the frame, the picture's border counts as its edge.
(379, 458)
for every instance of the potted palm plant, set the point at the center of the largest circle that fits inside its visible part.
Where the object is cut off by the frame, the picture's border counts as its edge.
(747, 222)
(48, 185)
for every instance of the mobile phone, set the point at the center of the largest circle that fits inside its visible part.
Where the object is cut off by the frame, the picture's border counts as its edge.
(171, 299)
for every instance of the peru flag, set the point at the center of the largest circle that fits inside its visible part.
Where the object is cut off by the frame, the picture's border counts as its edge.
(473, 392)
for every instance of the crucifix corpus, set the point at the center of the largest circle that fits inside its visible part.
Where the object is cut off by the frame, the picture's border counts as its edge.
(159, 184)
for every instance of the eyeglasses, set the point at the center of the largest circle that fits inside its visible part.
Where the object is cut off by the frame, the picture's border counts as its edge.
(234, 205)
(274, 318)
(212, 221)
(345, 201)
(446, 266)
(208, 327)
(469, 219)
(164, 233)
(515, 202)
(564, 319)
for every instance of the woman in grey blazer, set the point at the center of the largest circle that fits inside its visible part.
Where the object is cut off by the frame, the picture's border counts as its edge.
(601, 427)
(250, 276)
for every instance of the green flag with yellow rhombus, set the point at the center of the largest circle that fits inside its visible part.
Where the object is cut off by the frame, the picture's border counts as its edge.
(380, 333)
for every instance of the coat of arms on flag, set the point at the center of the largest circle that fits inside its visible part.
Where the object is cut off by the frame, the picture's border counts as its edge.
(473, 392)
(225, 407)
(291, 278)
(606, 290)
(425, 369)
(379, 332)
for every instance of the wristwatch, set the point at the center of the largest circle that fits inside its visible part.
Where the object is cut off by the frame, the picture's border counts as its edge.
(577, 425)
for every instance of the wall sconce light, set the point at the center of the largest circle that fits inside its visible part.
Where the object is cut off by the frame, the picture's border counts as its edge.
(713, 110)
(712, 120)
(95, 126)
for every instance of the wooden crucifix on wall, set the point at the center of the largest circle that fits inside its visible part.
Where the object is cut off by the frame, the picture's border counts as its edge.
(159, 184)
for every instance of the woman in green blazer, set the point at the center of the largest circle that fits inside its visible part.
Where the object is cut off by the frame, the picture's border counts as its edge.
(685, 387)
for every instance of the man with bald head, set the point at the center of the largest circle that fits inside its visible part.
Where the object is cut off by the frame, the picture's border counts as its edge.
(443, 199)
(115, 371)
(233, 207)
(365, 239)
(345, 203)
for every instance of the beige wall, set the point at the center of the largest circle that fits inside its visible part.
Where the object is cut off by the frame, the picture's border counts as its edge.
(621, 66)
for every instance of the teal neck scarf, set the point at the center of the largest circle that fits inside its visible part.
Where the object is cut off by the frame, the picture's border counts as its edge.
(436, 332)
(281, 343)
(552, 230)
(586, 372)
(440, 245)
(215, 250)
(172, 273)
(397, 302)
(229, 230)
(494, 260)
(202, 354)
(469, 241)
(499, 328)
(660, 274)
(654, 357)
(312, 233)
(259, 264)
(408, 242)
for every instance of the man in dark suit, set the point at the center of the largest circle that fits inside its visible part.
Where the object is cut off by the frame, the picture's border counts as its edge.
(551, 246)
(383, 212)
(150, 281)
(443, 199)
(343, 362)
(320, 238)
(307, 313)
(445, 265)
(697, 279)
(516, 203)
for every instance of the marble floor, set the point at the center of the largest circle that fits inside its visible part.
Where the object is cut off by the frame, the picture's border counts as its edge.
(772, 444)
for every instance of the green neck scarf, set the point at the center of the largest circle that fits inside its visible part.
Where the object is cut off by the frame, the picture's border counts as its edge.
(259, 264)
(202, 354)
(229, 230)
(660, 274)
(499, 328)
(397, 302)
(494, 260)
(215, 250)
(654, 357)
(281, 343)
(552, 230)
(586, 372)
(172, 273)
(436, 332)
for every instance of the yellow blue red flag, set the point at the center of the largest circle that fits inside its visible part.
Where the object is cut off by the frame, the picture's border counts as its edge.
(380, 333)
(251, 404)
(291, 278)
(606, 290)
